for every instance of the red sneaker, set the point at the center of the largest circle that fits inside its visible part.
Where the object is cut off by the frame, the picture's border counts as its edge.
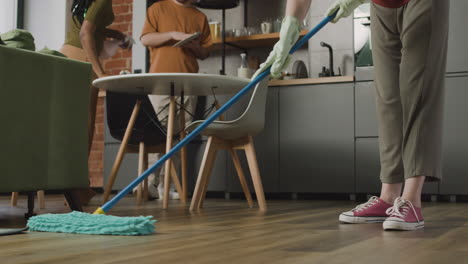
(373, 211)
(403, 216)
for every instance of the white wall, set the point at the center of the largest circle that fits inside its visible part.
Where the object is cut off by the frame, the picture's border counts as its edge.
(138, 50)
(47, 21)
(7, 15)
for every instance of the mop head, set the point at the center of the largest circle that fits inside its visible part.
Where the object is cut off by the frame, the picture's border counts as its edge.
(92, 224)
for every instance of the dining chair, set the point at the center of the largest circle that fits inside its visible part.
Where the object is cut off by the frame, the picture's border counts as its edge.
(132, 120)
(233, 135)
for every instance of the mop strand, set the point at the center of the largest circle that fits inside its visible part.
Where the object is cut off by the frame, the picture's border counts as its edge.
(101, 224)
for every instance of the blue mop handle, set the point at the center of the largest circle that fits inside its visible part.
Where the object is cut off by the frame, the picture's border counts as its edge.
(107, 206)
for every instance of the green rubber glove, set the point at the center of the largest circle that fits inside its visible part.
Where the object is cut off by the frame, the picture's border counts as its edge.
(346, 8)
(279, 57)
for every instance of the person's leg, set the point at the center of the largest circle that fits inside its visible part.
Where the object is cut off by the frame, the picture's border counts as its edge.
(153, 179)
(161, 107)
(386, 52)
(424, 36)
(390, 191)
(413, 190)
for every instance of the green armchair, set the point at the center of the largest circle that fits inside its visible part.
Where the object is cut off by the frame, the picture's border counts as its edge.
(43, 115)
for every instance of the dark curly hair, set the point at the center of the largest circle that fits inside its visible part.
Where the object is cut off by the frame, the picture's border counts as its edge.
(79, 8)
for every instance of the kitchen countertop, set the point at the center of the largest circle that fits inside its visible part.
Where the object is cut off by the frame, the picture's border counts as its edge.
(336, 79)
(323, 80)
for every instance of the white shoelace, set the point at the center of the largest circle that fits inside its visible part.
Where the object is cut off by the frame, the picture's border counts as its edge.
(404, 206)
(367, 204)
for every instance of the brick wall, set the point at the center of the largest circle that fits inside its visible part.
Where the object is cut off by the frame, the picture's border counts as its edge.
(121, 61)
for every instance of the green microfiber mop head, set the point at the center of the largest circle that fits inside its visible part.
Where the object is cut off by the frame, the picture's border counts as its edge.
(92, 224)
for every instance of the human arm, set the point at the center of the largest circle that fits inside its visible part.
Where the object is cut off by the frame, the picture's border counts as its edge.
(157, 39)
(115, 34)
(88, 41)
(199, 51)
(279, 57)
(298, 8)
(344, 7)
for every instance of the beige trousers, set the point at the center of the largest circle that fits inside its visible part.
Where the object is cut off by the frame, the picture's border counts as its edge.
(409, 47)
(161, 107)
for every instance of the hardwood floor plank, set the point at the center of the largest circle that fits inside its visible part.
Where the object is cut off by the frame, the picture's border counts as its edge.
(226, 231)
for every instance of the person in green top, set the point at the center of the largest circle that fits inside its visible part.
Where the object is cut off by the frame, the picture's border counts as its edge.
(85, 40)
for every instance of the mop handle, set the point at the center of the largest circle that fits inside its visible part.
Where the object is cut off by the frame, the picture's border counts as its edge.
(107, 206)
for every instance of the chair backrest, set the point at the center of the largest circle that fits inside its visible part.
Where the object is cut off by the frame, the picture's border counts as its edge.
(253, 118)
(147, 128)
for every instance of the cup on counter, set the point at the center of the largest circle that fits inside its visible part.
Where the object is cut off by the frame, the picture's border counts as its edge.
(215, 29)
(277, 24)
(267, 27)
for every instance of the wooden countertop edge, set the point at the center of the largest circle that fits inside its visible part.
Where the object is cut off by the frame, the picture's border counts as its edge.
(322, 80)
(340, 79)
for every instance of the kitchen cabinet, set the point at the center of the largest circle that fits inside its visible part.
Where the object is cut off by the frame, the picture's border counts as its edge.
(455, 151)
(457, 56)
(367, 166)
(218, 178)
(317, 138)
(128, 169)
(366, 117)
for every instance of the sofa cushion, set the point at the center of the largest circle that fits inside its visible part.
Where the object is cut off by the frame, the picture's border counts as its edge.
(48, 51)
(19, 38)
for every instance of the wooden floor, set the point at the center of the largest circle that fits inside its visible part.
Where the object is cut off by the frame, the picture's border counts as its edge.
(228, 232)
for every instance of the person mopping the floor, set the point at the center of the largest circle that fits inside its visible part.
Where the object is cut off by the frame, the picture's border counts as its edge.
(409, 48)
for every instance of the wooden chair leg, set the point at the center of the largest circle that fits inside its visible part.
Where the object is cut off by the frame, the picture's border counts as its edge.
(168, 165)
(177, 184)
(205, 170)
(183, 151)
(14, 199)
(121, 153)
(141, 157)
(41, 199)
(206, 182)
(255, 173)
(240, 173)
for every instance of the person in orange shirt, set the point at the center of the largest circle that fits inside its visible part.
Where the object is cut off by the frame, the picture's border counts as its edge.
(168, 22)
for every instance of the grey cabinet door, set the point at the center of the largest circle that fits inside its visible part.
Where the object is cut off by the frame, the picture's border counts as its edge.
(266, 147)
(128, 169)
(457, 57)
(317, 138)
(368, 168)
(107, 136)
(366, 118)
(218, 178)
(455, 153)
